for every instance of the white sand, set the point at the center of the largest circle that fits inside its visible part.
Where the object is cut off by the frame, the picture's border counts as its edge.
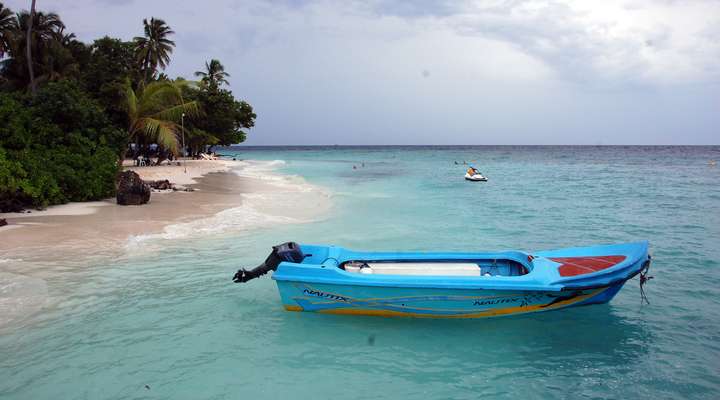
(184, 174)
(63, 209)
(181, 175)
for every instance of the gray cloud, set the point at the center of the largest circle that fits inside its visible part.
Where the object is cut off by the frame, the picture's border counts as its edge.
(325, 72)
(623, 43)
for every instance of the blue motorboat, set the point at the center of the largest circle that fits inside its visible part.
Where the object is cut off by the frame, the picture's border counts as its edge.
(335, 280)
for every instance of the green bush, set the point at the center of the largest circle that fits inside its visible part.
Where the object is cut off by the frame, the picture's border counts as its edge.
(55, 147)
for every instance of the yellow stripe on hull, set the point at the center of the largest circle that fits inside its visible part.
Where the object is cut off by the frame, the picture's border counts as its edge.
(481, 314)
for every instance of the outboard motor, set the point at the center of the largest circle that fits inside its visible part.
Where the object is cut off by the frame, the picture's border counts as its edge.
(289, 251)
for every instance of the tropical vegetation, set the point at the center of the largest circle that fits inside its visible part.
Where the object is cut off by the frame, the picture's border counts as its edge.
(71, 112)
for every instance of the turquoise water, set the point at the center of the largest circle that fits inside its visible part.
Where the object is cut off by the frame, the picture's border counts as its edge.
(176, 323)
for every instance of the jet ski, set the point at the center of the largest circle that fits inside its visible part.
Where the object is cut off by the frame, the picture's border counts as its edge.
(475, 176)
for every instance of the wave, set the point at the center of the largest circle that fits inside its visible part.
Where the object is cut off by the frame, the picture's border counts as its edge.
(245, 217)
(264, 171)
(265, 205)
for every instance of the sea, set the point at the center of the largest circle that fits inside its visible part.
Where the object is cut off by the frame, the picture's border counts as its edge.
(168, 323)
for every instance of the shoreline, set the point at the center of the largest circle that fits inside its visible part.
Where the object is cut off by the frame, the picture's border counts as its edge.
(218, 185)
(196, 169)
(228, 198)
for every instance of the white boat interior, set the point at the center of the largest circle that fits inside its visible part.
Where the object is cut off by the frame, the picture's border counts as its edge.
(415, 268)
(493, 267)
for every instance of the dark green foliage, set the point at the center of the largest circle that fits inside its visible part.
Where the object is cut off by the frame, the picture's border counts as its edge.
(223, 117)
(55, 148)
(62, 142)
(110, 64)
(7, 21)
(51, 56)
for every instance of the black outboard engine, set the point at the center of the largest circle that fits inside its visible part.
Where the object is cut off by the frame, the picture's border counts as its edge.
(289, 251)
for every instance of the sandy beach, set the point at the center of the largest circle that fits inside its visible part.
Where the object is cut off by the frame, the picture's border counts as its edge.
(89, 227)
(228, 196)
(87, 222)
(84, 229)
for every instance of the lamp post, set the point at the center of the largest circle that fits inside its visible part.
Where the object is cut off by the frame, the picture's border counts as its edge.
(182, 127)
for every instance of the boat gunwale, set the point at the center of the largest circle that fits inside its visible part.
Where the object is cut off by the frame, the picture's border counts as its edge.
(333, 274)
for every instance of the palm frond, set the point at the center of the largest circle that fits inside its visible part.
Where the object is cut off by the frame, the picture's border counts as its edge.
(174, 113)
(166, 136)
(130, 102)
(158, 95)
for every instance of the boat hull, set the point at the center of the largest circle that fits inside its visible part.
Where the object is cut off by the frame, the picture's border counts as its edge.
(432, 302)
(335, 280)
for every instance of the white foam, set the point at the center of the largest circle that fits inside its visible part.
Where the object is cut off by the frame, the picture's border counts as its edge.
(261, 208)
(263, 171)
(10, 260)
(245, 217)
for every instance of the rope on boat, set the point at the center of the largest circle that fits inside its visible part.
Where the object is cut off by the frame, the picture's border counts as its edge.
(644, 278)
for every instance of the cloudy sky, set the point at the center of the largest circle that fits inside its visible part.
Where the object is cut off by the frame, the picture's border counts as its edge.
(445, 72)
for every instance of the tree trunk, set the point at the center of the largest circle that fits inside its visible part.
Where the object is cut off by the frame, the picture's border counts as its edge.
(146, 66)
(28, 48)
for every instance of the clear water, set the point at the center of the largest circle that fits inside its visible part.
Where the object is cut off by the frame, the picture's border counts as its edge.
(175, 322)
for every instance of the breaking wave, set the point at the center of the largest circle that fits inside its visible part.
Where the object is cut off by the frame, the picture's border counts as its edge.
(259, 208)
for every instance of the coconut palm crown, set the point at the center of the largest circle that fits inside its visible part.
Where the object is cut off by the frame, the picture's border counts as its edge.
(214, 74)
(154, 49)
(46, 47)
(154, 111)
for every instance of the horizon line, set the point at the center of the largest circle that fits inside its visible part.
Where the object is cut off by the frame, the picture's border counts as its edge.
(470, 145)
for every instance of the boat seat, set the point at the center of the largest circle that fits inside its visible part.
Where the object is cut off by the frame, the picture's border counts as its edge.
(413, 268)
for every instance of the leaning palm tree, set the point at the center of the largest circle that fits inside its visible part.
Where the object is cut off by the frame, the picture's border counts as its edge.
(214, 74)
(154, 49)
(28, 47)
(154, 111)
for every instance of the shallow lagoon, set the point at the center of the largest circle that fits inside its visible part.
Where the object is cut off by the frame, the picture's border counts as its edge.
(167, 315)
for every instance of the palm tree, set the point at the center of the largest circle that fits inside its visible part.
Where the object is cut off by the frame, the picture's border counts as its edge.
(154, 49)
(154, 111)
(7, 22)
(45, 26)
(45, 33)
(215, 74)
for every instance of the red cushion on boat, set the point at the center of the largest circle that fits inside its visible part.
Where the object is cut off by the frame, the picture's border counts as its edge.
(572, 266)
